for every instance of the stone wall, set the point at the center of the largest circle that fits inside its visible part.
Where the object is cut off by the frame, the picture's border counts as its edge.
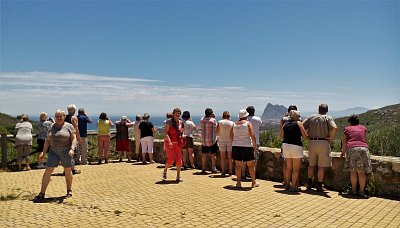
(384, 179)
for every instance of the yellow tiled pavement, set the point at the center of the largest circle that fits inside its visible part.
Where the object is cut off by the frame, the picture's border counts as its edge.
(133, 195)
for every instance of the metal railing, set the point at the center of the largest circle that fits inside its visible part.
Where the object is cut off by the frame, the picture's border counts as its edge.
(5, 139)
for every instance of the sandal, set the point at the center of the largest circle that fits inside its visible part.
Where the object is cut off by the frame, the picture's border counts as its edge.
(40, 196)
(69, 194)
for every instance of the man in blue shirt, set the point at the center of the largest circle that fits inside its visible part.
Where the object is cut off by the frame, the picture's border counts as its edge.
(83, 120)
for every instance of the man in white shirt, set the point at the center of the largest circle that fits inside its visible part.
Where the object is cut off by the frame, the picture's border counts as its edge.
(256, 122)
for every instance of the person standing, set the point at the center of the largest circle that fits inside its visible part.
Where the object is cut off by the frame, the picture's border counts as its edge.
(321, 130)
(284, 120)
(61, 142)
(209, 146)
(292, 147)
(256, 122)
(355, 149)
(138, 120)
(188, 129)
(225, 143)
(103, 137)
(70, 118)
(147, 138)
(122, 138)
(83, 120)
(23, 141)
(43, 128)
(173, 142)
(243, 146)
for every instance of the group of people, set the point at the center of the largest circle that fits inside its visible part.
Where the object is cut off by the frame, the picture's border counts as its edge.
(237, 143)
(320, 130)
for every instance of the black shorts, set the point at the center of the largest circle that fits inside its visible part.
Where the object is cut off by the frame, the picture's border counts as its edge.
(240, 153)
(189, 143)
(209, 149)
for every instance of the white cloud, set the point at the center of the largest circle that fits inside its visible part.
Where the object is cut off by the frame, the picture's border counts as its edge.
(34, 92)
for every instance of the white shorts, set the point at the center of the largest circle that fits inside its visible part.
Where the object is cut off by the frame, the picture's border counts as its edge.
(225, 146)
(147, 144)
(292, 151)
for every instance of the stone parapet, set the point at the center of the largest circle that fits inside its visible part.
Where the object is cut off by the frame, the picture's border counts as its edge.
(384, 179)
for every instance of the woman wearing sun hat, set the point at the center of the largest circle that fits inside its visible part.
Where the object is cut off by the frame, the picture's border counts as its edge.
(243, 146)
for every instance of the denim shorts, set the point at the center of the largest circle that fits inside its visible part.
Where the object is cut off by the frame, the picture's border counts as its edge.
(57, 155)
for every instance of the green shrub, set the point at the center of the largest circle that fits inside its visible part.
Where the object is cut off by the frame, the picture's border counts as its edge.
(385, 142)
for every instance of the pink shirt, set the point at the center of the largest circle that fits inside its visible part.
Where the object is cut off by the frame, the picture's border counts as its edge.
(355, 136)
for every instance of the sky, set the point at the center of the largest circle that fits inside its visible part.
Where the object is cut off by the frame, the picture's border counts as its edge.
(130, 57)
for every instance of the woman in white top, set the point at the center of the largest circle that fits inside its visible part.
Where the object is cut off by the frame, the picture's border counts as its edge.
(243, 146)
(23, 141)
(224, 128)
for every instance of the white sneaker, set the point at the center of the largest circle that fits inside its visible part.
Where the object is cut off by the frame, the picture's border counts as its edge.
(41, 166)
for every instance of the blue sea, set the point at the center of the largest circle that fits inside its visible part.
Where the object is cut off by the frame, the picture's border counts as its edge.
(158, 121)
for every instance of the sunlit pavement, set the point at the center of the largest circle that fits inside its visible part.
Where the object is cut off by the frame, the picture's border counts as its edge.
(134, 195)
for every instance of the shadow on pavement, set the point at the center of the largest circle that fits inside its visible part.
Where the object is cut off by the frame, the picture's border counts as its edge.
(162, 182)
(351, 196)
(160, 167)
(279, 186)
(287, 192)
(312, 192)
(218, 176)
(201, 173)
(58, 174)
(234, 188)
(59, 199)
(243, 180)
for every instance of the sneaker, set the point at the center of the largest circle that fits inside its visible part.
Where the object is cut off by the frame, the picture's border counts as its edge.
(214, 171)
(319, 187)
(309, 184)
(41, 166)
(75, 171)
(40, 196)
(179, 179)
(69, 194)
(362, 195)
(295, 189)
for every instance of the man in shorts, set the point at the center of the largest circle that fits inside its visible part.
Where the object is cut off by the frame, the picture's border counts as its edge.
(256, 122)
(321, 130)
(209, 147)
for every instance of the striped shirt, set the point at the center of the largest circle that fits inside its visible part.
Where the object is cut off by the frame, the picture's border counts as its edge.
(208, 131)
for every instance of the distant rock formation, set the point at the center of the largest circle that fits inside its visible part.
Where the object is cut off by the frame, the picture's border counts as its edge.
(273, 113)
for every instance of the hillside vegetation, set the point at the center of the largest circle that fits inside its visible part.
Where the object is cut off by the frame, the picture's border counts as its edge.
(383, 135)
(7, 123)
(383, 126)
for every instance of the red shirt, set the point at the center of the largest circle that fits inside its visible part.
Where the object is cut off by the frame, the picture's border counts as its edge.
(355, 136)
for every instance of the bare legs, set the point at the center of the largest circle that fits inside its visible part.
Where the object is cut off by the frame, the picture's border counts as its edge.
(360, 177)
(204, 161)
(238, 170)
(226, 159)
(47, 175)
(292, 172)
